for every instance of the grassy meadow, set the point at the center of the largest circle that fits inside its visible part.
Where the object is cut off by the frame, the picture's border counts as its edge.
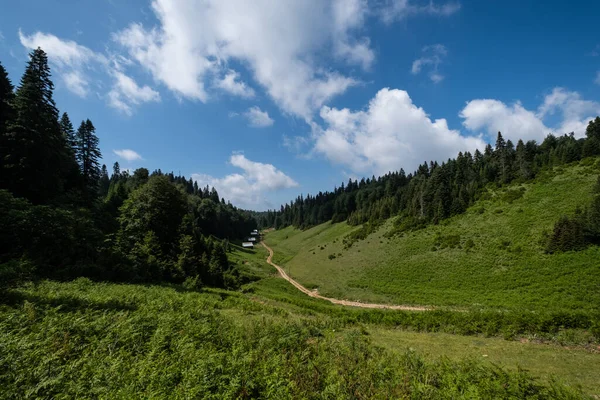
(83, 339)
(490, 257)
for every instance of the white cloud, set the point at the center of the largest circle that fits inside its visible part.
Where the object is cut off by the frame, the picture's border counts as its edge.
(515, 122)
(349, 16)
(127, 154)
(248, 189)
(432, 57)
(391, 134)
(273, 39)
(258, 118)
(493, 116)
(72, 60)
(64, 53)
(230, 83)
(75, 64)
(399, 9)
(126, 93)
(76, 83)
(295, 144)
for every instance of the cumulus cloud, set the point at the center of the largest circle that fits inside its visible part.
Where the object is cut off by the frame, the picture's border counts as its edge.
(493, 116)
(76, 64)
(194, 39)
(191, 44)
(127, 154)
(258, 118)
(248, 189)
(232, 84)
(516, 122)
(392, 133)
(432, 58)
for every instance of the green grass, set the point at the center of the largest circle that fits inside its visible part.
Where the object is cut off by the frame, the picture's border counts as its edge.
(489, 257)
(95, 340)
(574, 365)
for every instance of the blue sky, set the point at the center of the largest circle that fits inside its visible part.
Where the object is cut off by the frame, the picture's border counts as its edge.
(269, 99)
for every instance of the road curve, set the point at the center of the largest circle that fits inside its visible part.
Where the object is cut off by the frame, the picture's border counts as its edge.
(337, 301)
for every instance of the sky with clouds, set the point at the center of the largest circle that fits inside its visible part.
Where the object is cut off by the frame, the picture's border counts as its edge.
(268, 99)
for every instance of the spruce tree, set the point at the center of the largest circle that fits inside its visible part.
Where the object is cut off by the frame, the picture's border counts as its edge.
(116, 171)
(88, 154)
(36, 156)
(104, 182)
(73, 179)
(6, 114)
(68, 131)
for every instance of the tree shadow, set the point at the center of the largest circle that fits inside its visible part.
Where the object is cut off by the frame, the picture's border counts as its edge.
(15, 298)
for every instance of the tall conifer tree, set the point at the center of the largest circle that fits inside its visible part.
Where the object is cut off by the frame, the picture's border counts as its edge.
(6, 114)
(37, 154)
(88, 155)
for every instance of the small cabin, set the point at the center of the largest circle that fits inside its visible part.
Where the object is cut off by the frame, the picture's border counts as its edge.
(248, 245)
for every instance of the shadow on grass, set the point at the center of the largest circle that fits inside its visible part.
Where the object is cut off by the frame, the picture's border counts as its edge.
(15, 298)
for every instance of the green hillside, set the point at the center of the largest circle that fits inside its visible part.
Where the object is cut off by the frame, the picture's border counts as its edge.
(492, 256)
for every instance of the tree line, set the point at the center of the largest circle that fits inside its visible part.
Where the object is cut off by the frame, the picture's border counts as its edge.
(434, 191)
(62, 215)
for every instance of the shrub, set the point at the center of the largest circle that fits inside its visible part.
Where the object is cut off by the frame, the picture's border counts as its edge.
(567, 235)
(513, 194)
(450, 241)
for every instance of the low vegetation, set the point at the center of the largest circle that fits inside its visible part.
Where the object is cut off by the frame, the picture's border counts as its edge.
(84, 340)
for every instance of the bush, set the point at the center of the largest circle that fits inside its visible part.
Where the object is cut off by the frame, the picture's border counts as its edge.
(567, 235)
(513, 194)
(443, 242)
(192, 283)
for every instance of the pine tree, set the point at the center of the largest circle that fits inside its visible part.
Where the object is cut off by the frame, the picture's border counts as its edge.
(68, 131)
(104, 182)
(88, 154)
(36, 156)
(73, 179)
(6, 114)
(116, 171)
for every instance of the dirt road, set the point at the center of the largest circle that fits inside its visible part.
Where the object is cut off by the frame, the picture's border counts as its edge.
(337, 301)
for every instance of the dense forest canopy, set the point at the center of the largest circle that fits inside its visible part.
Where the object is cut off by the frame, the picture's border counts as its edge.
(63, 215)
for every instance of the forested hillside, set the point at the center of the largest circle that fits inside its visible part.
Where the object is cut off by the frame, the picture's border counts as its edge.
(62, 215)
(435, 191)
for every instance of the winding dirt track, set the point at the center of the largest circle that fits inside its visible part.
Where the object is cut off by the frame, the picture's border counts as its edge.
(337, 301)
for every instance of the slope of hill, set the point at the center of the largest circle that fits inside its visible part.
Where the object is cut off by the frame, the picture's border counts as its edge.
(492, 256)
